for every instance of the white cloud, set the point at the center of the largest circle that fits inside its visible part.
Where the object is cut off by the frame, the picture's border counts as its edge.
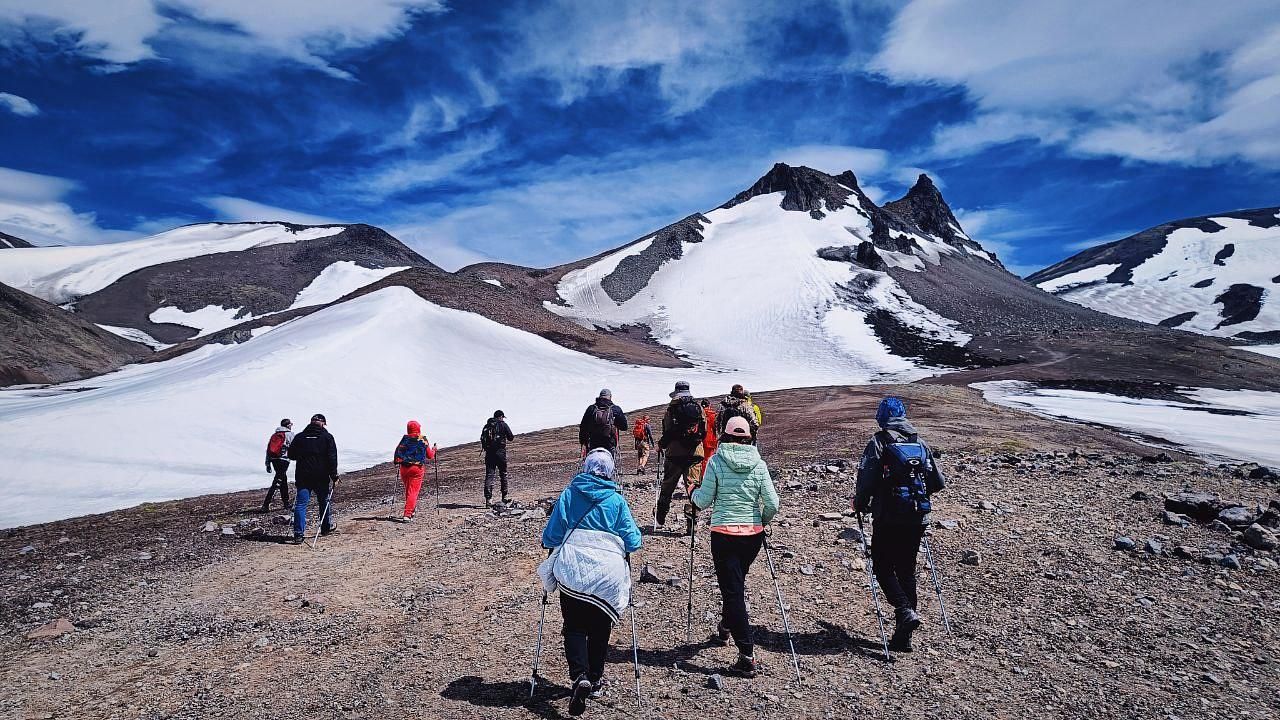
(404, 175)
(307, 31)
(234, 209)
(1001, 230)
(835, 159)
(18, 105)
(1189, 82)
(32, 207)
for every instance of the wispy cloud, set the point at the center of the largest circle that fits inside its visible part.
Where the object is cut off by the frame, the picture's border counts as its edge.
(32, 207)
(18, 105)
(400, 176)
(234, 209)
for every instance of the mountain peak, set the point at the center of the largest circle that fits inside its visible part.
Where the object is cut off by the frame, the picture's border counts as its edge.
(805, 189)
(924, 207)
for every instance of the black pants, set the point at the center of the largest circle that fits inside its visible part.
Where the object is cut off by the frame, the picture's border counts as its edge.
(733, 555)
(495, 466)
(586, 638)
(280, 481)
(893, 551)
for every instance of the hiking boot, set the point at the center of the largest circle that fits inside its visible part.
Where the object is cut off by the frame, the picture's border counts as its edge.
(406, 519)
(746, 666)
(721, 636)
(330, 531)
(597, 689)
(297, 540)
(639, 471)
(661, 519)
(578, 701)
(906, 622)
(506, 500)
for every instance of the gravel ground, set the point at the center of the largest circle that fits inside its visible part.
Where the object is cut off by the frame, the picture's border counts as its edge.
(437, 619)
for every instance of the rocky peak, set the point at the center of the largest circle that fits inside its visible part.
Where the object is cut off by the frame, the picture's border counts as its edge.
(806, 189)
(924, 207)
(10, 241)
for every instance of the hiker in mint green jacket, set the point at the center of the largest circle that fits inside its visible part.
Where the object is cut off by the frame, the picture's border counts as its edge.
(738, 487)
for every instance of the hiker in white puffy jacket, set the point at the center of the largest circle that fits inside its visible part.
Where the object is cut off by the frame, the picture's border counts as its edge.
(591, 534)
(278, 462)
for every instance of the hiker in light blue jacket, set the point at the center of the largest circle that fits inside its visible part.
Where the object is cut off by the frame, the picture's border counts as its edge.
(591, 534)
(739, 488)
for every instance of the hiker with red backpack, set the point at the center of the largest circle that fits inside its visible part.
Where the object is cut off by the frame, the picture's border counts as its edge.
(644, 443)
(896, 478)
(601, 424)
(683, 430)
(411, 458)
(278, 462)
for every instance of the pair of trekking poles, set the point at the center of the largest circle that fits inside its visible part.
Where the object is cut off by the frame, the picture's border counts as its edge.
(875, 597)
(436, 468)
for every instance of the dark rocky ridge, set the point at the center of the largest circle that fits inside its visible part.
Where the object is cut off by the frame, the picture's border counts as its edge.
(1136, 249)
(924, 207)
(42, 343)
(8, 242)
(260, 280)
(634, 272)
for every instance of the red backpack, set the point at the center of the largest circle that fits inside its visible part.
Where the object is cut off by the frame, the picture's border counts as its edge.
(638, 431)
(275, 446)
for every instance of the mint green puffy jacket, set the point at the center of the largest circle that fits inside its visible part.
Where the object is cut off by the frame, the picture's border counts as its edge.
(737, 483)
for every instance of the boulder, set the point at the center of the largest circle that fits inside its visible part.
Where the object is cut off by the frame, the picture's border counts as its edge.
(851, 534)
(52, 629)
(1259, 538)
(647, 575)
(970, 557)
(1172, 518)
(1202, 506)
(1125, 543)
(1238, 516)
(1153, 547)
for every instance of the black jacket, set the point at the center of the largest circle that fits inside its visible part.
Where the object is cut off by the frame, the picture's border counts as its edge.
(316, 455)
(871, 471)
(499, 437)
(590, 434)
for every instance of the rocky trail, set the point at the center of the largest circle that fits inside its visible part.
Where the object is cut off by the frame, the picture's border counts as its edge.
(1081, 579)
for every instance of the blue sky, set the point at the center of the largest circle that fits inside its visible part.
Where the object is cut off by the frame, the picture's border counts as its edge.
(541, 132)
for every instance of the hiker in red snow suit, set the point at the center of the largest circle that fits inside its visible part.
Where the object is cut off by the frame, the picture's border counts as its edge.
(411, 457)
(709, 442)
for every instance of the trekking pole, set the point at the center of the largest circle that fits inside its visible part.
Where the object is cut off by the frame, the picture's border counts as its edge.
(937, 586)
(871, 582)
(437, 469)
(328, 504)
(635, 647)
(657, 497)
(537, 653)
(688, 618)
(786, 623)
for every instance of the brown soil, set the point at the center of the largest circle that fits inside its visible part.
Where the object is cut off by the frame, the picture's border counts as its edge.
(437, 619)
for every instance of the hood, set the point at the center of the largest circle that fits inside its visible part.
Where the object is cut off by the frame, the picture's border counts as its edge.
(741, 458)
(284, 429)
(594, 487)
(900, 425)
(413, 428)
(680, 396)
(604, 402)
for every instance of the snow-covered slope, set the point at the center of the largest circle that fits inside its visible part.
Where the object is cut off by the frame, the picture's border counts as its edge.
(1217, 275)
(63, 274)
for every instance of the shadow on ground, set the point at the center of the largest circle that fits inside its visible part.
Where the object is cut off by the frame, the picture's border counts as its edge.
(474, 690)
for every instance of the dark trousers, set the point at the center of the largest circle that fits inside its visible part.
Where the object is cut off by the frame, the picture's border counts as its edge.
(733, 555)
(281, 481)
(676, 470)
(893, 551)
(586, 638)
(495, 466)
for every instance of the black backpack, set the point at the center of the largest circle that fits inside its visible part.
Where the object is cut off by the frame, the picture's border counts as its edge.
(686, 416)
(905, 468)
(741, 409)
(488, 435)
(604, 429)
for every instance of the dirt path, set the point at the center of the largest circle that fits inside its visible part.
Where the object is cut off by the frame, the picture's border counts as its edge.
(437, 618)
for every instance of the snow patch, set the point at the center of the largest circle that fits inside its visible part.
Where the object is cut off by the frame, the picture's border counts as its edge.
(1238, 436)
(135, 335)
(208, 319)
(337, 280)
(1087, 276)
(1272, 350)
(493, 282)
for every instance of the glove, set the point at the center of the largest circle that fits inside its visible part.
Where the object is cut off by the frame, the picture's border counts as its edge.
(268, 466)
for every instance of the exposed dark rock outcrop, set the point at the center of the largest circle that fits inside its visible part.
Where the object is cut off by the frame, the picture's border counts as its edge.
(635, 271)
(8, 241)
(924, 207)
(1240, 303)
(1176, 320)
(807, 190)
(1227, 251)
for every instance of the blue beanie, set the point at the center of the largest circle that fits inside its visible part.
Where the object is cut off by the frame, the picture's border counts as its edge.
(890, 407)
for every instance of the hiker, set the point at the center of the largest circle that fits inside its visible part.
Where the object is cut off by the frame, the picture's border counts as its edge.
(411, 458)
(493, 440)
(896, 477)
(710, 440)
(317, 474)
(644, 443)
(683, 429)
(739, 488)
(591, 536)
(737, 404)
(601, 424)
(278, 462)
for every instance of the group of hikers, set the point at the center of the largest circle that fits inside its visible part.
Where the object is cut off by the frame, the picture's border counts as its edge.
(591, 533)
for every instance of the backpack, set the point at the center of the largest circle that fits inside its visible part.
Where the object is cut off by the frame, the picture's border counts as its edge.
(275, 446)
(905, 466)
(741, 409)
(488, 436)
(604, 432)
(686, 416)
(638, 431)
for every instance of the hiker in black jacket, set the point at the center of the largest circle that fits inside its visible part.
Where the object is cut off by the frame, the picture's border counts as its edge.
(601, 424)
(316, 454)
(493, 440)
(896, 493)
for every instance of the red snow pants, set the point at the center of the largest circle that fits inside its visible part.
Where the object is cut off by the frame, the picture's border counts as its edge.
(411, 476)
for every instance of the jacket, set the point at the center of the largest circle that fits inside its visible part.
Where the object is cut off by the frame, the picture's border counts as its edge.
(681, 446)
(871, 469)
(589, 433)
(413, 450)
(498, 436)
(731, 407)
(738, 486)
(591, 532)
(316, 454)
(284, 450)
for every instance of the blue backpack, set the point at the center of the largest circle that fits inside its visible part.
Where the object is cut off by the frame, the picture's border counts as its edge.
(412, 451)
(906, 466)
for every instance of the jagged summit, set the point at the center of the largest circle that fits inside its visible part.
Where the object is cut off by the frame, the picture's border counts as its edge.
(807, 190)
(924, 207)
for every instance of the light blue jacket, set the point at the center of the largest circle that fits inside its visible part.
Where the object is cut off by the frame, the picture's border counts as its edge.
(610, 512)
(737, 483)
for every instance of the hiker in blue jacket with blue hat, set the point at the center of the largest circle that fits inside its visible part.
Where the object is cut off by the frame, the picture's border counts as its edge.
(591, 535)
(896, 478)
